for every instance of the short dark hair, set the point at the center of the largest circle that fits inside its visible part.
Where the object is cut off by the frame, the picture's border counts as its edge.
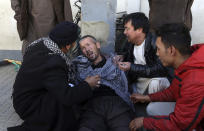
(139, 20)
(88, 36)
(177, 35)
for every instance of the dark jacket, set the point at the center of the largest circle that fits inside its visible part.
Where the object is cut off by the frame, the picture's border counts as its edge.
(187, 89)
(170, 11)
(153, 67)
(35, 18)
(42, 96)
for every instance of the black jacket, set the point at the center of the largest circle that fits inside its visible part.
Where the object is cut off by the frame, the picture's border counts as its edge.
(153, 67)
(41, 95)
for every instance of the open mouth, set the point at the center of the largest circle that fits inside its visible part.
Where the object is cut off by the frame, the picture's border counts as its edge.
(90, 54)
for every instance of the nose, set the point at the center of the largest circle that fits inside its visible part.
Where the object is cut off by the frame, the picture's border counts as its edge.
(125, 32)
(157, 53)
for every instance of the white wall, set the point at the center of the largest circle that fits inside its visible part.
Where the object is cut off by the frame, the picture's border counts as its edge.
(198, 22)
(8, 35)
(9, 38)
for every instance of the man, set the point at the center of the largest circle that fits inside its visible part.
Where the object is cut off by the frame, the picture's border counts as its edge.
(145, 71)
(187, 88)
(36, 18)
(44, 90)
(110, 108)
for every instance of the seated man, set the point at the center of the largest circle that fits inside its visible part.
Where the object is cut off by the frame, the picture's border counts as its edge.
(42, 94)
(110, 107)
(145, 71)
(187, 88)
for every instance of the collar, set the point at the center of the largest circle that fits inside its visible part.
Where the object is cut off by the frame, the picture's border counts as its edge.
(100, 64)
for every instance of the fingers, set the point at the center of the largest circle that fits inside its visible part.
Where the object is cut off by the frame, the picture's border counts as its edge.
(132, 126)
(122, 65)
(98, 80)
(125, 66)
(134, 98)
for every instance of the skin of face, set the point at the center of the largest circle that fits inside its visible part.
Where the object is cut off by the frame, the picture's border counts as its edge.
(68, 47)
(164, 53)
(90, 49)
(131, 34)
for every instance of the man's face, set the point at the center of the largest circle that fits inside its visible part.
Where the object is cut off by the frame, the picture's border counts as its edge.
(90, 49)
(164, 53)
(131, 34)
(68, 47)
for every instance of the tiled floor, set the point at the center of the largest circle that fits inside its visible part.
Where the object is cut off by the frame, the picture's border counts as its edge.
(8, 117)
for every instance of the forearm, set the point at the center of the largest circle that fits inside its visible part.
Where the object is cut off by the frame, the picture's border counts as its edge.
(163, 96)
(159, 123)
(148, 71)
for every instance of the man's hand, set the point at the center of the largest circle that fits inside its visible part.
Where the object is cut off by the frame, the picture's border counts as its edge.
(139, 98)
(136, 123)
(118, 58)
(125, 66)
(93, 81)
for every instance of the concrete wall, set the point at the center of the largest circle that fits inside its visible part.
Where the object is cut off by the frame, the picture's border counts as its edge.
(198, 20)
(8, 35)
(9, 38)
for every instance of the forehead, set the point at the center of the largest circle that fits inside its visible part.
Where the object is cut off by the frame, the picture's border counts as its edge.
(85, 41)
(128, 24)
(159, 42)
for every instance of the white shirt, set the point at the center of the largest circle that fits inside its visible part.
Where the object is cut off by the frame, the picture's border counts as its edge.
(139, 54)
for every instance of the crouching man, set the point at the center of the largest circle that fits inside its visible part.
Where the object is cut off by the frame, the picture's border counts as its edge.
(187, 88)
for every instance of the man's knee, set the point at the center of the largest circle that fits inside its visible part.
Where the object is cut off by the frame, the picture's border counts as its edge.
(151, 109)
(160, 108)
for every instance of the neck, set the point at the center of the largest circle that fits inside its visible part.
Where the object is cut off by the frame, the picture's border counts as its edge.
(180, 60)
(140, 39)
(99, 59)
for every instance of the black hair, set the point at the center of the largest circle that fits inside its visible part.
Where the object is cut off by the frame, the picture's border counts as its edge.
(177, 35)
(138, 20)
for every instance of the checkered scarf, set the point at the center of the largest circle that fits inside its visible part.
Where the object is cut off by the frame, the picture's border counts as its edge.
(52, 46)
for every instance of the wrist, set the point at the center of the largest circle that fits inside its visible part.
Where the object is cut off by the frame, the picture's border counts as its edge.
(147, 98)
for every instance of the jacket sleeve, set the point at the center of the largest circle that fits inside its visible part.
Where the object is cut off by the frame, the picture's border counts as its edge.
(187, 114)
(15, 5)
(149, 71)
(55, 81)
(166, 95)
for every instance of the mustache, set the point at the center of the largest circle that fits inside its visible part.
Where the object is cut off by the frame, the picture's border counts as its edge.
(89, 53)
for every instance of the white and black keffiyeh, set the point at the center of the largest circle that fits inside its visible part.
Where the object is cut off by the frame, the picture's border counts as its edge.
(52, 46)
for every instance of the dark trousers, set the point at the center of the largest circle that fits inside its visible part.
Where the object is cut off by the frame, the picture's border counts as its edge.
(106, 113)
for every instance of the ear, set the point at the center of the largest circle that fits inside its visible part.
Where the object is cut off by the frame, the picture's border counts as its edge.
(140, 30)
(172, 50)
(98, 45)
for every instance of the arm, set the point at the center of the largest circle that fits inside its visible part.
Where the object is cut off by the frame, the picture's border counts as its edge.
(55, 81)
(187, 114)
(149, 71)
(166, 95)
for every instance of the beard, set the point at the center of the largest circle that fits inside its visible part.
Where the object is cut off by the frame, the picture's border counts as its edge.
(91, 56)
